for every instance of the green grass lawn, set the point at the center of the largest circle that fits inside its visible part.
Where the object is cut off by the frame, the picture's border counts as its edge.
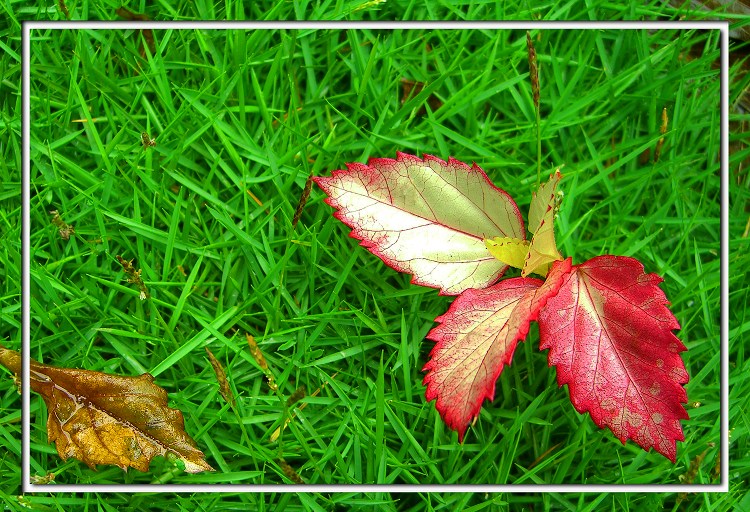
(241, 118)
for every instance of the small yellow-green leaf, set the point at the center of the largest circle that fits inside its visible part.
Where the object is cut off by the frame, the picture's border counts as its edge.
(542, 250)
(542, 200)
(509, 250)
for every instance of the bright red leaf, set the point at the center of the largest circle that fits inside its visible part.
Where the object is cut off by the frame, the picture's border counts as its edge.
(610, 336)
(426, 217)
(475, 339)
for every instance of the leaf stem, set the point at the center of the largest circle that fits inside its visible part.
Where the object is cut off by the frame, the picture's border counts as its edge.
(538, 148)
(534, 75)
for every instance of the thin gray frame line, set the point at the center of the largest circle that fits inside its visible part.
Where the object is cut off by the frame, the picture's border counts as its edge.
(724, 261)
(27, 486)
(377, 25)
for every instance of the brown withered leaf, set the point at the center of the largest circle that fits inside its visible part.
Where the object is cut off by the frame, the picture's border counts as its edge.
(109, 419)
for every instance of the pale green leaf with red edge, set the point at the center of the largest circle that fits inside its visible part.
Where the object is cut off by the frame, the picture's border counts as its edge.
(427, 217)
(475, 340)
(610, 337)
(542, 250)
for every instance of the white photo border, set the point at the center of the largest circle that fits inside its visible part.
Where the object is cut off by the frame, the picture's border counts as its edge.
(29, 26)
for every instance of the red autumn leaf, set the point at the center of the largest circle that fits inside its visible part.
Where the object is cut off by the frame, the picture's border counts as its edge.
(475, 339)
(426, 217)
(610, 336)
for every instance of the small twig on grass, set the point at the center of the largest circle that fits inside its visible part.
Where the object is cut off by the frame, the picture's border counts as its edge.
(64, 229)
(534, 73)
(302, 201)
(134, 276)
(662, 130)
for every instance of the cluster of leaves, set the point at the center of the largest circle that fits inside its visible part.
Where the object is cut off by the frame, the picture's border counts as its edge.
(605, 321)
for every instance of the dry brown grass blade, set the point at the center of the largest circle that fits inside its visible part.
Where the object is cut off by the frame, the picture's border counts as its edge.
(410, 88)
(63, 8)
(302, 200)
(689, 476)
(662, 130)
(224, 389)
(261, 360)
(148, 34)
(533, 70)
(295, 397)
(290, 473)
(716, 473)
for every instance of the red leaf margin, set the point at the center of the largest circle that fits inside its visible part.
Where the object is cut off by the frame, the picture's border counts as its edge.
(518, 302)
(633, 382)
